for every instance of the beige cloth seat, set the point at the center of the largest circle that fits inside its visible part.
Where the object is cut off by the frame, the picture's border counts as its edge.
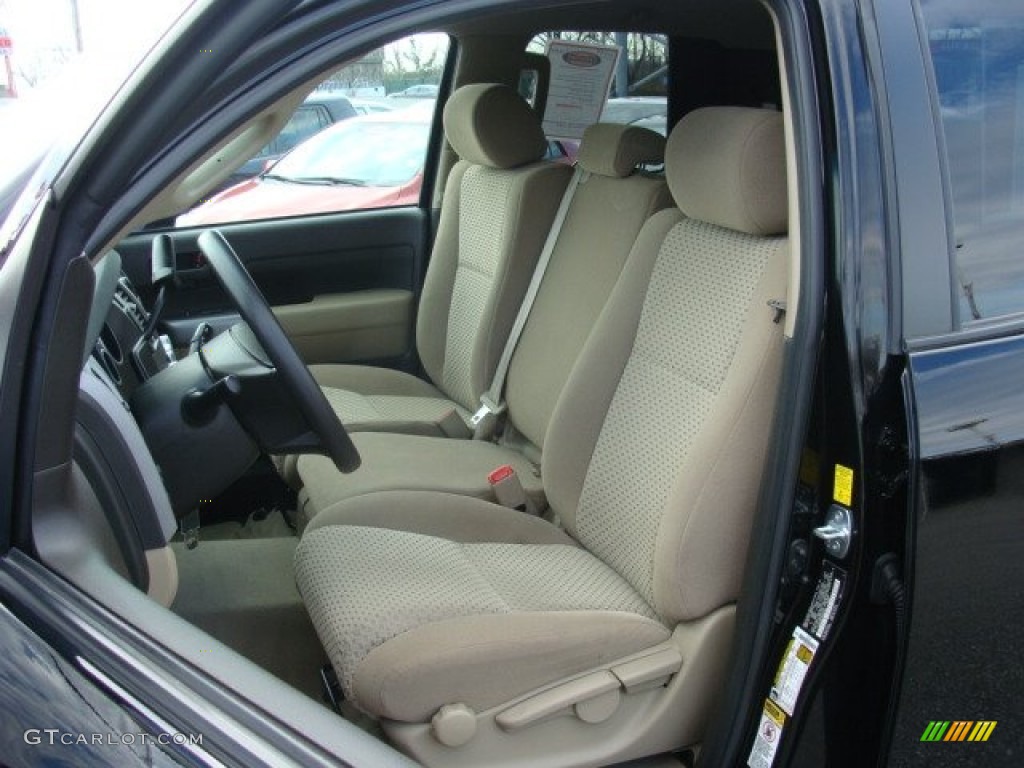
(500, 200)
(611, 204)
(482, 636)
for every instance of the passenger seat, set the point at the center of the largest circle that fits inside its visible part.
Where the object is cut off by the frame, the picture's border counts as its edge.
(500, 200)
(611, 204)
(482, 636)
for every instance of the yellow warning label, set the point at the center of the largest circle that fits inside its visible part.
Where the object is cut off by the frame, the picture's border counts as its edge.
(843, 490)
(805, 654)
(774, 713)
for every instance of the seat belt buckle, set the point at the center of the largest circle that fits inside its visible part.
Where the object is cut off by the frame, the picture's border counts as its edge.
(508, 489)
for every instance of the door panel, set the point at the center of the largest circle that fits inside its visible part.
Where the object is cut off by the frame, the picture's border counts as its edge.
(360, 325)
(344, 284)
(336, 233)
(968, 566)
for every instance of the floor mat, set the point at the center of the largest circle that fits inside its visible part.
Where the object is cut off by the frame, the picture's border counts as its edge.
(261, 524)
(242, 591)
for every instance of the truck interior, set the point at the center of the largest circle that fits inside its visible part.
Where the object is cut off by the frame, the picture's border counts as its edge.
(321, 534)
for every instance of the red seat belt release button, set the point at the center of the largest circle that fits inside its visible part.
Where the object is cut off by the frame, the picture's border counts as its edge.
(507, 489)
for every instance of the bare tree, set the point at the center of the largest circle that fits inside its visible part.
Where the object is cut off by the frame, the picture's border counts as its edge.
(411, 62)
(408, 56)
(34, 69)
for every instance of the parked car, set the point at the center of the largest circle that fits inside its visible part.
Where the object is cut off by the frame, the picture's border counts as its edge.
(858, 606)
(370, 106)
(319, 110)
(645, 111)
(424, 91)
(369, 161)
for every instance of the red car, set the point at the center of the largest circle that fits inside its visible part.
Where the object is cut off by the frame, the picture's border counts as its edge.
(371, 161)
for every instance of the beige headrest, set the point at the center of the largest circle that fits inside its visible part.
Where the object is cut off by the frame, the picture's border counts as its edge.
(609, 149)
(727, 166)
(490, 124)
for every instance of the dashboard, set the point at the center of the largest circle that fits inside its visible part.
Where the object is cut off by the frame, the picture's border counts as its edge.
(128, 350)
(136, 366)
(206, 414)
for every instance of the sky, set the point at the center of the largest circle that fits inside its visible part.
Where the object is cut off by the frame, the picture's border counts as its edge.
(53, 80)
(111, 29)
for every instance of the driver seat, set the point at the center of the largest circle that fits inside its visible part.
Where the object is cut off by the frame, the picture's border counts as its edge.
(499, 202)
(479, 635)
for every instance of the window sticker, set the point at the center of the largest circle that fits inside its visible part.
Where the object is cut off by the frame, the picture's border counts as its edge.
(581, 77)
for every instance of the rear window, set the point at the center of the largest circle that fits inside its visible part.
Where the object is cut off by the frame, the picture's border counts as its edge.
(977, 50)
(616, 77)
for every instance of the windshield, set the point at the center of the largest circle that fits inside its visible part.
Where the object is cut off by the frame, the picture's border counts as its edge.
(61, 65)
(363, 153)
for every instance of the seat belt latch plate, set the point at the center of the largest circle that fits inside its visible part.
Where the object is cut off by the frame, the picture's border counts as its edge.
(487, 408)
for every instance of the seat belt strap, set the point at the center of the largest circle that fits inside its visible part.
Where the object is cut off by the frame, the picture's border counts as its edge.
(492, 403)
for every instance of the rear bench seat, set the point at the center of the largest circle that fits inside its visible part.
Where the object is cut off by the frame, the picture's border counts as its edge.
(610, 206)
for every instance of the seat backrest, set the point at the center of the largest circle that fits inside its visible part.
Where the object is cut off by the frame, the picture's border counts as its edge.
(654, 455)
(499, 202)
(611, 204)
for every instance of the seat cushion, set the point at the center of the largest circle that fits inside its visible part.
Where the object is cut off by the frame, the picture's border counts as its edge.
(371, 399)
(411, 462)
(490, 608)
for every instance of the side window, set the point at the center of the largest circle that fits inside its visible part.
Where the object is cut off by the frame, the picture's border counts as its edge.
(977, 50)
(358, 141)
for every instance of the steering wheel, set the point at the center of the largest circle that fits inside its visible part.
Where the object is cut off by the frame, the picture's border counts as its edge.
(297, 379)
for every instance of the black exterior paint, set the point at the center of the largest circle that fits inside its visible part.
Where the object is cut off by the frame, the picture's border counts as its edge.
(40, 690)
(966, 627)
(936, 438)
